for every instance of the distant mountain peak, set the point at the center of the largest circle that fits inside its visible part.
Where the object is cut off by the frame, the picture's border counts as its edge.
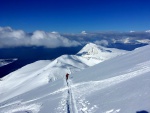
(90, 49)
(101, 53)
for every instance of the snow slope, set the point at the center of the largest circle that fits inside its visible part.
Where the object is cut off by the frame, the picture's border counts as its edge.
(117, 85)
(42, 72)
(6, 61)
(93, 51)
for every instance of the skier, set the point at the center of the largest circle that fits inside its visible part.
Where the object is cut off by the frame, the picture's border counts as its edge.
(67, 75)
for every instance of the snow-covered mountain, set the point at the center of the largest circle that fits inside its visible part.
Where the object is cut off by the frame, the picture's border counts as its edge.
(93, 51)
(4, 62)
(43, 72)
(144, 41)
(117, 85)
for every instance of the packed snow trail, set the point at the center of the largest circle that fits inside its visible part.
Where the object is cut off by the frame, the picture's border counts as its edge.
(75, 93)
(71, 102)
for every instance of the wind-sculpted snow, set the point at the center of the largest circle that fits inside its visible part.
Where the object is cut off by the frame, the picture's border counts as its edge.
(117, 85)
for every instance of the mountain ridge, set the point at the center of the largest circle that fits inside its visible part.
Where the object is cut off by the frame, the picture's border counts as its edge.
(43, 72)
(118, 85)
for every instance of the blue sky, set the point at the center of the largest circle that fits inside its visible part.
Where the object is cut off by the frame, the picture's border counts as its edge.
(73, 16)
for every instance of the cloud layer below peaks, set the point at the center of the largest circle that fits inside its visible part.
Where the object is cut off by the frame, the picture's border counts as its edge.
(16, 38)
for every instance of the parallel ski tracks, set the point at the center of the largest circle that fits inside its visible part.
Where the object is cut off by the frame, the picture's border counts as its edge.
(71, 102)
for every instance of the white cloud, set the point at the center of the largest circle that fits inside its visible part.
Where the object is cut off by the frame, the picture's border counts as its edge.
(5, 28)
(147, 31)
(132, 31)
(102, 42)
(83, 32)
(14, 38)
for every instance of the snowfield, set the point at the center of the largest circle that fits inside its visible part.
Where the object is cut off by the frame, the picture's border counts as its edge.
(102, 80)
(4, 62)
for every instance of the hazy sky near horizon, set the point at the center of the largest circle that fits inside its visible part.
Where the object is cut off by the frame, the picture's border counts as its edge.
(73, 16)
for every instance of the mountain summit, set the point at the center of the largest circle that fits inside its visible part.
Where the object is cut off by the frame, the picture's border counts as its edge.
(93, 51)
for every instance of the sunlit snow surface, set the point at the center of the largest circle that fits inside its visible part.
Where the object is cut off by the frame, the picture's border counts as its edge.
(118, 85)
(4, 62)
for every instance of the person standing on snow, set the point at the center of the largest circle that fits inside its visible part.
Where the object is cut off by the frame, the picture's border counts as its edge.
(67, 76)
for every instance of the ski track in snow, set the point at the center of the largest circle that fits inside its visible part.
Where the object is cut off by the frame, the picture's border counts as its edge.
(79, 90)
(82, 104)
(9, 104)
(113, 111)
(84, 87)
(73, 95)
(71, 103)
(63, 103)
(71, 98)
(67, 103)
